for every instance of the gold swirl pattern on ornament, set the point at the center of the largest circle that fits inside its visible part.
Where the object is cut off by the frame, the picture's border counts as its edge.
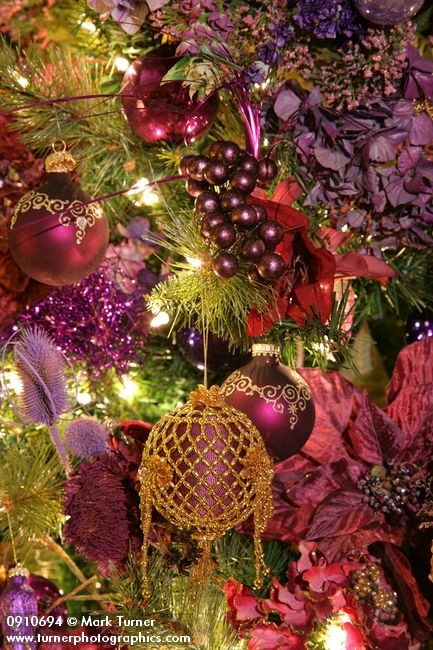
(296, 396)
(82, 215)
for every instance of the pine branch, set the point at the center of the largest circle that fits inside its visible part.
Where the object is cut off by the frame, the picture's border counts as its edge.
(30, 487)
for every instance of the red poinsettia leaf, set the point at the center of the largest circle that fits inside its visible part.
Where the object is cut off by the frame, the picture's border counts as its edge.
(293, 610)
(334, 238)
(318, 577)
(314, 487)
(258, 324)
(339, 548)
(400, 575)
(391, 637)
(341, 513)
(287, 191)
(374, 435)
(410, 394)
(326, 443)
(354, 637)
(355, 265)
(268, 636)
(419, 449)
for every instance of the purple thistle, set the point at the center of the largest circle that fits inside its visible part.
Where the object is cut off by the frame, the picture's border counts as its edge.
(102, 508)
(86, 437)
(42, 371)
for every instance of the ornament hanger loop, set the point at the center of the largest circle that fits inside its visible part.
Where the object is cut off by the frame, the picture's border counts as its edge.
(58, 143)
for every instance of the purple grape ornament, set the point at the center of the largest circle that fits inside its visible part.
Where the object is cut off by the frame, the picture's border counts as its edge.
(271, 266)
(223, 235)
(225, 265)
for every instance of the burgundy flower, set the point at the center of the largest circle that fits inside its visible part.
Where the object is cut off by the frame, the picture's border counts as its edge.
(102, 509)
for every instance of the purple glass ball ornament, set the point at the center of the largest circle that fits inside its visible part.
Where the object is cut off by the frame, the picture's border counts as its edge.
(46, 594)
(249, 164)
(196, 167)
(268, 170)
(230, 199)
(163, 111)
(209, 221)
(207, 202)
(183, 164)
(229, 152)
(223, 235)
(275, 398)
(271, 232)
(388, 12)
(262, 215)
(18, 600)
(217, 172)
(225, 265)
(219, 355)
(271, 266)
(243, 181)
(244, 216)
(253, 248)
(194, 188)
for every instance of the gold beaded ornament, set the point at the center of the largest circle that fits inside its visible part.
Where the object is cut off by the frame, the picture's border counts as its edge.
(205, 468)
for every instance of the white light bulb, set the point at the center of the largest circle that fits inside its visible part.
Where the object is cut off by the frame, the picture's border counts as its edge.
(89, 26)
(146, 196)
(121, 63)
(129, 389)
(160, 319)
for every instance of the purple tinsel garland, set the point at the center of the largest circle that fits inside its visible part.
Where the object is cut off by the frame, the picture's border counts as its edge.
(94, 322)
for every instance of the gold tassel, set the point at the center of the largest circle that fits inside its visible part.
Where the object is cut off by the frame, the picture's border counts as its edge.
(259, 469)
(202, 571)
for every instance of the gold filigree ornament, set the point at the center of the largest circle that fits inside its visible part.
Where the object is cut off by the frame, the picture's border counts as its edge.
(82, 215)
(205, 469)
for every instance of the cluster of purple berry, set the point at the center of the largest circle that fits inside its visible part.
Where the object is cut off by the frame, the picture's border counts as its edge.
(391, 489)
(234, 226)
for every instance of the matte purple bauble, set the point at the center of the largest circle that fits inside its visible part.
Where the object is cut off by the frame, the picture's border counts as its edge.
(229, 152)
(388, 12)
(19, 600)
(163, 111)
(275, 398)
(46, 594)
(244, 216)
(219, 355)
(183, 165)
(230, 200)
(225, 265)
(207, 202)
(271, 266)
(223, 235)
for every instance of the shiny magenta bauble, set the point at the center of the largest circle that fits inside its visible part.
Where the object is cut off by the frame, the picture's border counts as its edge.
(55, 235)
(276, 399)
(388, 12)
(163, 111)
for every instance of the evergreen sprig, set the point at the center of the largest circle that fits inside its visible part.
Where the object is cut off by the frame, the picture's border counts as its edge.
(31, 491)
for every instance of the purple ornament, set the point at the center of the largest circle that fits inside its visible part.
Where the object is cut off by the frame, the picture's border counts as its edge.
(262, 215)
(219, 357)
(207, 202)
(388, 12)
(230, 200)
(183, 165)
(253, 248)
(268, 170)
(18, 600)
(209, 222)
(46, 593)
(157, 111)
(271, 266)
(275, 398)
(249, 164)
(196, 167)
(195, 188)
(217, 172)
(271, 232)
(229, 152)
(223, 235)
(244, 216)
(225, 265)
(243, 181)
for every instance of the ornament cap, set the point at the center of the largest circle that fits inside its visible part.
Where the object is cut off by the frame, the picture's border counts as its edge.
(60, 160)
(18, 570)
(265, 349)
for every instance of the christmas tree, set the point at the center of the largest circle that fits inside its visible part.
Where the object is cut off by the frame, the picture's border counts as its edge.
(216, 324)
